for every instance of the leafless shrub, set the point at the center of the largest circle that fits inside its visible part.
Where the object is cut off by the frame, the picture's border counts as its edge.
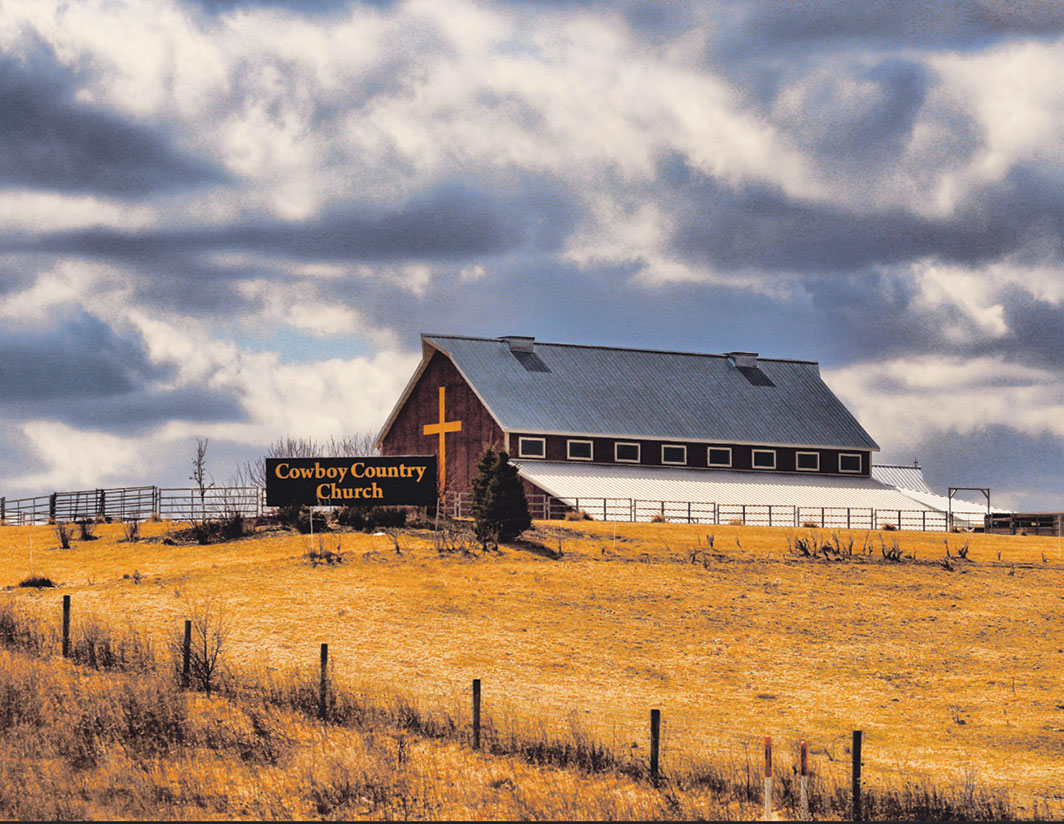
(659, 519)
(131, 530)
(64, 532)
(889, 527)
(326, 556)
(453, 539)
(577, 515)
(210, 639)
(86, 530)
(892, 553)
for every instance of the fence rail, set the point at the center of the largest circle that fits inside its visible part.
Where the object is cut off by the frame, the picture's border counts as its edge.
(181, 504)
(133, 503)
(547, 507)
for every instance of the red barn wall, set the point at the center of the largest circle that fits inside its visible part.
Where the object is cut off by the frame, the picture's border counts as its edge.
(463, 449)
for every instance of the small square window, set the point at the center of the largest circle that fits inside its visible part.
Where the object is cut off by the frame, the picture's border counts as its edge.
(764, 459)
(849, 462)
(673, 454)
(531, 447)
(580, 450)
(807, 461)
(626, 452)
(719, 456)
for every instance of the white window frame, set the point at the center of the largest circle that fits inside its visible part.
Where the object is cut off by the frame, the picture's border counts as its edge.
(860, 462)
(569, 450)
(638, 452)
(798, 455)
(665, 446)
(521, 448)
(753, 458)
(720, 449)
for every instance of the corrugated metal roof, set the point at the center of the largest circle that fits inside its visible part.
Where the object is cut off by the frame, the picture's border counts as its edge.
(910, 481)
(569, 481)
(903, 477)
(650, 394)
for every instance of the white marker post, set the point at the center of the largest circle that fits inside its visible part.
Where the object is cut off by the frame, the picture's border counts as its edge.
(768, 778)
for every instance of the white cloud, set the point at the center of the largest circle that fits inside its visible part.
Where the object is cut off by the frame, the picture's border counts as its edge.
(905, 401)
(78, 458)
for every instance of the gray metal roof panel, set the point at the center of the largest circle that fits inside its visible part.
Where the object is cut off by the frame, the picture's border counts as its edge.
(652, 394)
(902, 477)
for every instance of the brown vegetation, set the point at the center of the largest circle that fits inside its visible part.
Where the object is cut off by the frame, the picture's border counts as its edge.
(950, 673)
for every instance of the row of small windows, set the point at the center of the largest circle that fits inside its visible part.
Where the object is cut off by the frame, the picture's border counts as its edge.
(676, 455)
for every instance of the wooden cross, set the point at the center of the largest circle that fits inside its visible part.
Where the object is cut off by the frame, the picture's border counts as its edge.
(442, 428)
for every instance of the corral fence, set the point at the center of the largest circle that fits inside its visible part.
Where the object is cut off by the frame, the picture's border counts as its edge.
(547, 507)
(184, 504)
(134, 503)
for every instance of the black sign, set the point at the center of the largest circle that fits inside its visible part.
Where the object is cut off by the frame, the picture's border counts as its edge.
(351, 481)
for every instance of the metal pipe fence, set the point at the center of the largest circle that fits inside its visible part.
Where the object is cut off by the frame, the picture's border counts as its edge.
(547, 507)
(134, 503)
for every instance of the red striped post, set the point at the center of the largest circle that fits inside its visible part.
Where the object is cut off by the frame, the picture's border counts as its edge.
(804, 768)
(768, 778)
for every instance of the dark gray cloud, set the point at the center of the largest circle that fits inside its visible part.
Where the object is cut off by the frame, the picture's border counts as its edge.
(80, 357)
(50, 140)
(81, 373)
(782, 24)
(1036, 330)
(757, 227)
(998, 457)
(144, 407)
(871, 130)
(449, 221)
(563, 302)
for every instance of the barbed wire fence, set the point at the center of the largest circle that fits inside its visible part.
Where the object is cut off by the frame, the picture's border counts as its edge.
(845, 769)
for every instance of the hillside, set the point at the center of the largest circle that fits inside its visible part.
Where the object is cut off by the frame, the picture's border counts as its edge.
(953, 675)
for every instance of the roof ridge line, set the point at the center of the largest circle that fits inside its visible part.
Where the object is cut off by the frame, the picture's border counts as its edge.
(618, 348)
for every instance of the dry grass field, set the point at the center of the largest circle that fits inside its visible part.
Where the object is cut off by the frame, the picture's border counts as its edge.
(954, 675)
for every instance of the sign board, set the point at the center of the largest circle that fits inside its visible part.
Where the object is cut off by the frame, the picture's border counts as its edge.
(409, 480)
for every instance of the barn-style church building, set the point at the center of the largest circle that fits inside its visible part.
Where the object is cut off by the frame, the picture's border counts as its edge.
(596, 422)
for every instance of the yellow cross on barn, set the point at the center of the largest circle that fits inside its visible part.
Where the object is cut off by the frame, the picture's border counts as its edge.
(442, 428)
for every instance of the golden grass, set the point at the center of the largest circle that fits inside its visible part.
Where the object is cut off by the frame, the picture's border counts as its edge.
(950, 674)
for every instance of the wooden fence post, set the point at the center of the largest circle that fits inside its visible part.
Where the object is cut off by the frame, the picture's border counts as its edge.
(804, 790)
(323, 707)
(768, 778)
(52, 505)
(186, 656)
(476, 713)
(66, 626)
(856, 752)
(655, 746)
(3, 509)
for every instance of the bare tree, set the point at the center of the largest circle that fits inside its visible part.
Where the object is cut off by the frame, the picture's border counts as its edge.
(349, 446)
(210, 634)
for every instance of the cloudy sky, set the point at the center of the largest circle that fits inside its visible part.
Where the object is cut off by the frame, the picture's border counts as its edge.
(231, 219)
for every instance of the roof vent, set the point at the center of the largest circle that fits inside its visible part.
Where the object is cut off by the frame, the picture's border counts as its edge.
(519, 343)
(746, 360)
